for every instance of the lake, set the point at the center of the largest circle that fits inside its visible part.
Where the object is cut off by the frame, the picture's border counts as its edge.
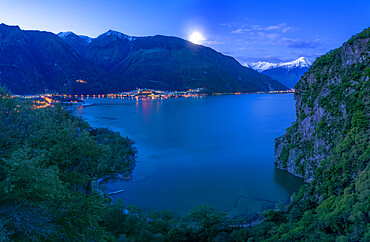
(216, 150)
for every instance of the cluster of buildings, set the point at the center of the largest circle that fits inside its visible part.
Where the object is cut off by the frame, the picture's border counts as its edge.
(38, 101)
(138, 94)
(45, 100)
(155, 94)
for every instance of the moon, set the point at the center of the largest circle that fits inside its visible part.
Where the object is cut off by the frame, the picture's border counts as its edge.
(196, 38)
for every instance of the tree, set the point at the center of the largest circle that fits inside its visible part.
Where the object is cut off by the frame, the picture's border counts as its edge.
(207, 220)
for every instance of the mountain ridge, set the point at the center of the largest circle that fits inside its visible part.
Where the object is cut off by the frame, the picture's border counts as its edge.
(287, 73)
(261, 66)
(38, 61)
(132, 57)
(115, 62)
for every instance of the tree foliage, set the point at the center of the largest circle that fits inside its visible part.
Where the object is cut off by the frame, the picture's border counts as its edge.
(48, 164)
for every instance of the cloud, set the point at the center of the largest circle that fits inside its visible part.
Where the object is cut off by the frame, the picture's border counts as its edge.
(299, 43)
(276, 27)
(272, 59)
(237, 31)
(213, 42)
(283, 28)
(272, 36)
(247, 29)
(228, 52)
(229, 25)
(240, 31)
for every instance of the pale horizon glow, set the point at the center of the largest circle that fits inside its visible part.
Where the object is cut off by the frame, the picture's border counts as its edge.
(197, 38)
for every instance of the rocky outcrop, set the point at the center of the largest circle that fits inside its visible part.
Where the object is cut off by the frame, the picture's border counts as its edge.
(326, 98)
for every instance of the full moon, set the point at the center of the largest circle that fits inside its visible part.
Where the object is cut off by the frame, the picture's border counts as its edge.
(197, 38)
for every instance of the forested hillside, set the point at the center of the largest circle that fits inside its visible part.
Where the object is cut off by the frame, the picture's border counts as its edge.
(329, 146)
(49, 163)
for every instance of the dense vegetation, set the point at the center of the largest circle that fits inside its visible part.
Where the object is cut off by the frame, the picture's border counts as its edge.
(49, 163)
(333, 104)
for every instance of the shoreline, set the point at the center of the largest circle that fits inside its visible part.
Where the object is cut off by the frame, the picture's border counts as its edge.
(255, 217)
(136, 94)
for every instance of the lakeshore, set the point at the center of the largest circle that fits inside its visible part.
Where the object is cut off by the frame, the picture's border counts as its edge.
(78, 100)
(216, 150)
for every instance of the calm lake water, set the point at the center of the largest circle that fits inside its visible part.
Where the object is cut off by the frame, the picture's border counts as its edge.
(213, 150)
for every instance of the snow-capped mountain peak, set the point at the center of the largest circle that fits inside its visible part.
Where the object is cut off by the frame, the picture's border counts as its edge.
(70, 34)
(300, 62)
(261, 66)
(116, 34)
(109, 34)
(65, 34)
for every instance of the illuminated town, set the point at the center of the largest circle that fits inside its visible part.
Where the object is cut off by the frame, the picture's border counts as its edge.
(46, 100)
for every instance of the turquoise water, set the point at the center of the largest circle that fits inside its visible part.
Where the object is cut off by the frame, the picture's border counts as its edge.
(214, 150)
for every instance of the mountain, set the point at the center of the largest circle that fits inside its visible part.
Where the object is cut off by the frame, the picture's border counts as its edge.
(287, 73)
(39, 62)
(170, 63)
(329, 146)
(78, 42)
(261, 66)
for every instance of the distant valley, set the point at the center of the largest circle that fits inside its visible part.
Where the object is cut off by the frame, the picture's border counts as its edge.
(40, 62)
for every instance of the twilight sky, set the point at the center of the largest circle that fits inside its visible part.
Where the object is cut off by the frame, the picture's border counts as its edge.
(269, 30)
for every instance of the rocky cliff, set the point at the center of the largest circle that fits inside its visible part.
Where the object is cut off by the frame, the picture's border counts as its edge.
(331, 98)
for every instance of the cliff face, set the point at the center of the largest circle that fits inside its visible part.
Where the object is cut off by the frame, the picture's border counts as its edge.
(332, 96)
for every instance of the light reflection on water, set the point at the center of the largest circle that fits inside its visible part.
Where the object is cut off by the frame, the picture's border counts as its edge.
(214, 150)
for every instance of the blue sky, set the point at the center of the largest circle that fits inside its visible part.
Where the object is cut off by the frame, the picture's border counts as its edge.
(269, 30)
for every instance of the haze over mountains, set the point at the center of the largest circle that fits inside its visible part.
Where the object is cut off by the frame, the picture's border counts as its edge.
(287, 73)
(39, 62)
